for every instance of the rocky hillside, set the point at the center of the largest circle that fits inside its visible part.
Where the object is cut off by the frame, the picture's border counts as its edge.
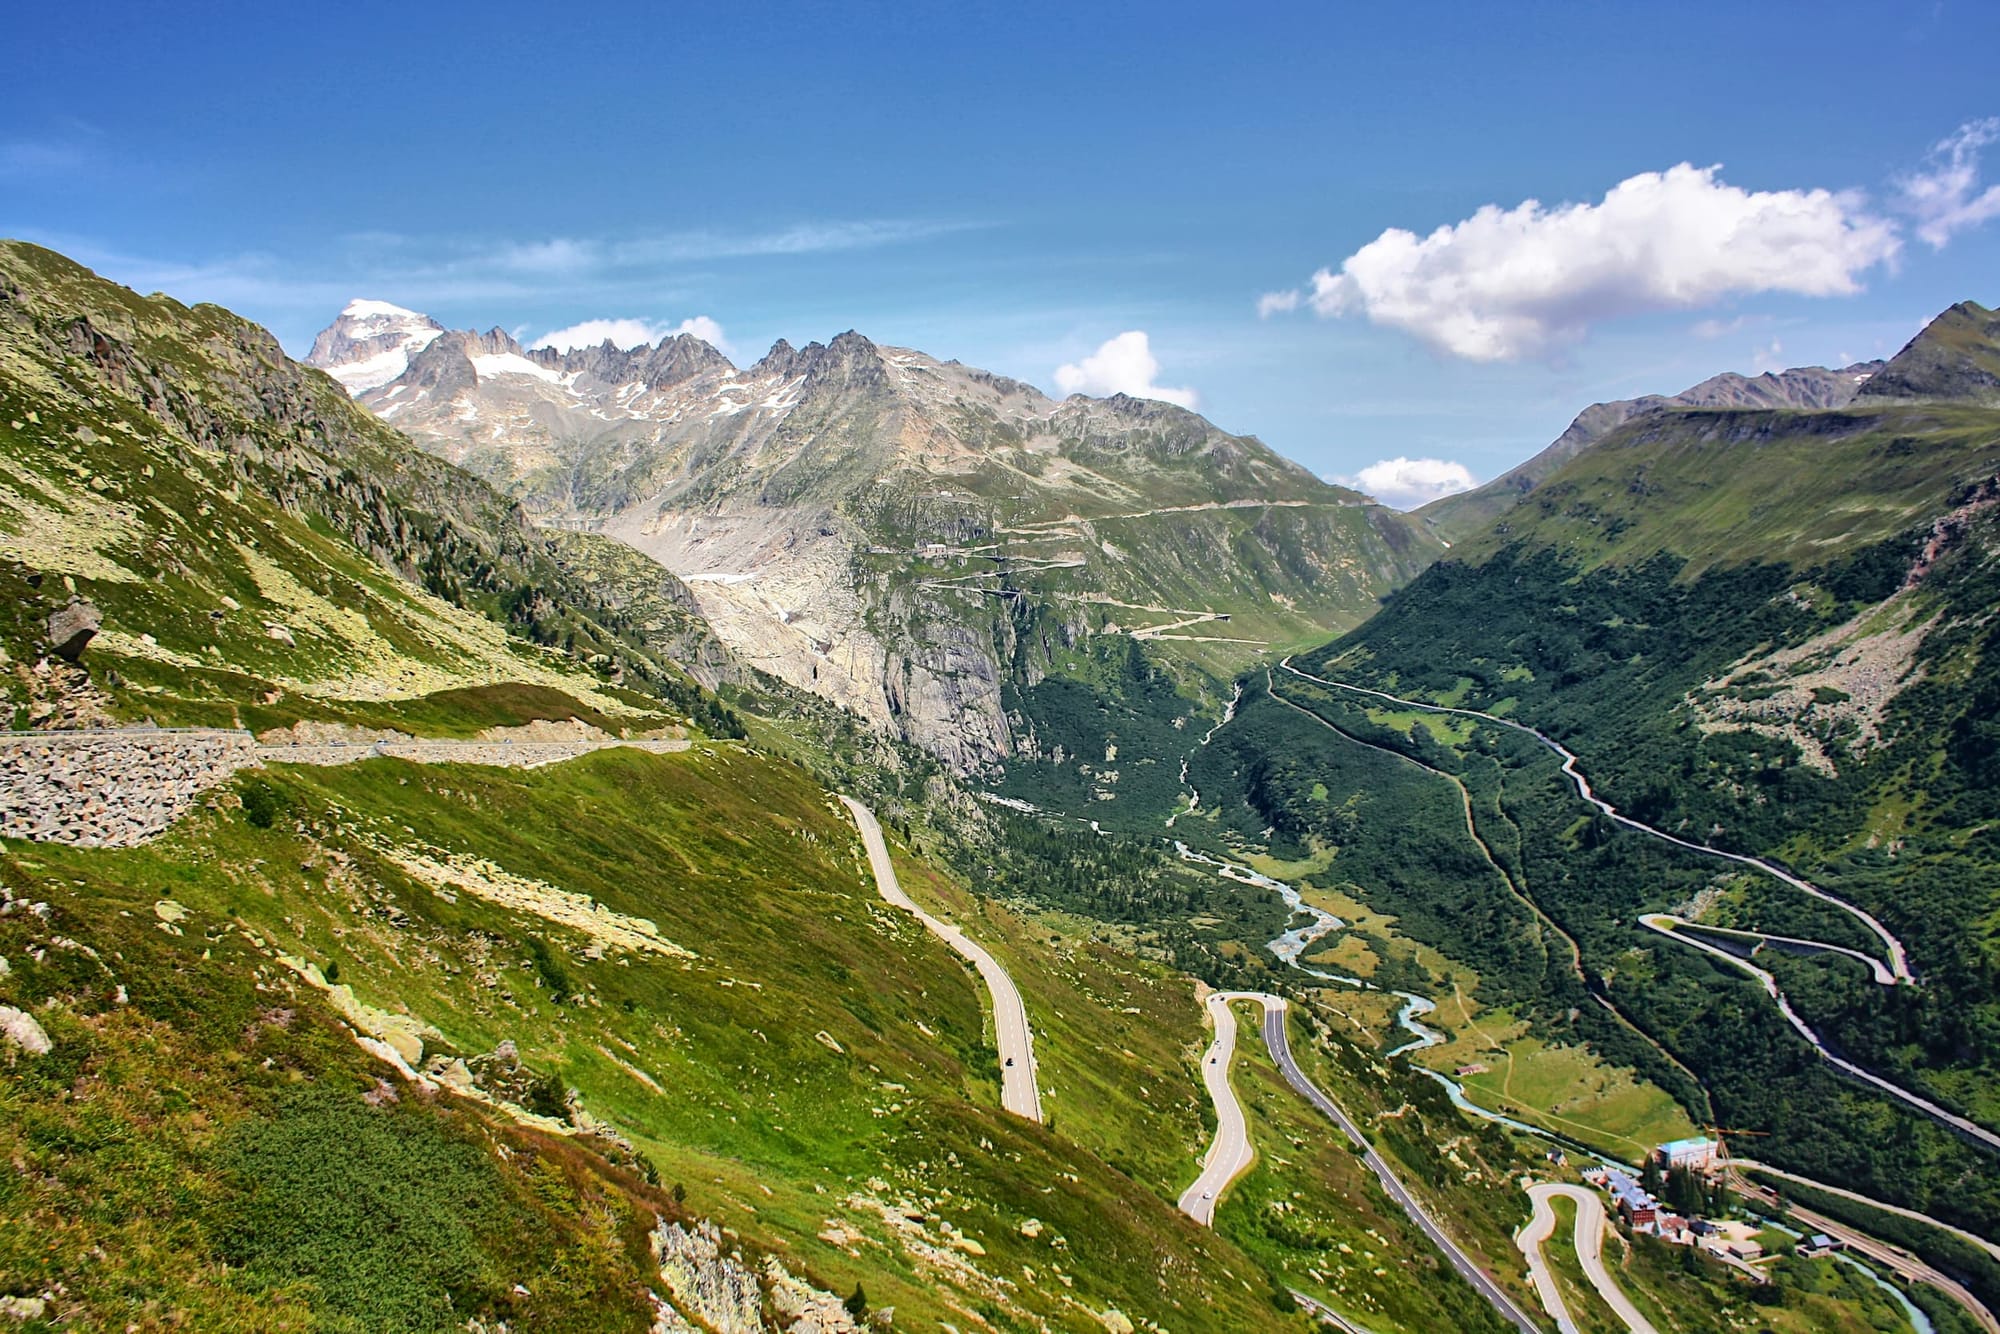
(244, 546)
(1456, 517)
(915, 539)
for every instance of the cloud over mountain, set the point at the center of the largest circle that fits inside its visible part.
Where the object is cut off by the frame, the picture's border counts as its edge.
(1404, 484)
(630, 333)
(1122, 365)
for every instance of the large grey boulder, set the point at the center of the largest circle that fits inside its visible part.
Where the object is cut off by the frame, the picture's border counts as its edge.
(72, 627)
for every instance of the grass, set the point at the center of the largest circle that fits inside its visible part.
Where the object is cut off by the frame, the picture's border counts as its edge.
(818, 1070)
(1592, 1314)
(1721, 486)
(1118, 1039)
(1568, 1089)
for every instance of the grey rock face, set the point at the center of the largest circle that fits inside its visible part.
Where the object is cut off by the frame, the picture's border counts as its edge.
(808, 501)
(114, 788)
(715, 1288)
(71, 629)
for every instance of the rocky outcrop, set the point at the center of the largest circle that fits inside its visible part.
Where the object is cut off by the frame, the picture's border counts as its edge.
(21, 1030)
(111, 789)
(866, 523)
(72, 627)
(1955, 359)
(715, 1285)
(117, 788)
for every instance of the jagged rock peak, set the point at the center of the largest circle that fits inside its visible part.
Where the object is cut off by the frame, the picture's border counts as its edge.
(850, 360)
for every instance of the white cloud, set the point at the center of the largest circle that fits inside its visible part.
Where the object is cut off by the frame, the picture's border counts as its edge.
(556, 256)
(1278, 303)
(1511, 283)
(1405, 484)
(1771, 358)
(29, 158)
(630, 333)
(1944, 195)
(1123, 365)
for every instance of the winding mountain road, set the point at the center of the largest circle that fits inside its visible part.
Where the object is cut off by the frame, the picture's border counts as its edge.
(1898, 959)
(1020, 1092)
(1665, 924)
(1590, 1225)
(1876, 968)
(1231, 1153)
(1896, 972)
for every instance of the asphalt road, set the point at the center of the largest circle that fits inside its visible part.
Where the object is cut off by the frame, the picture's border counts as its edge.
(1899, 965)
(1281, 1052)
(1019, 1091)
(1665, 924)
(1231, 1151)
(1590, 1223)
(1229, 1154)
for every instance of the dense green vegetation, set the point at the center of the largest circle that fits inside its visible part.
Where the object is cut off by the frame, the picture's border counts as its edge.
(1610, 628)
(819, 1057)
(1949, 1254)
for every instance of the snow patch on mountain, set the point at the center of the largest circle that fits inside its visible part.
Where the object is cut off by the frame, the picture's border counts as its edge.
(371, 344)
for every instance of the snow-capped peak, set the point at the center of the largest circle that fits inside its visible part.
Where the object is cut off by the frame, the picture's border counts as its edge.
(362, 308)
(371, 343)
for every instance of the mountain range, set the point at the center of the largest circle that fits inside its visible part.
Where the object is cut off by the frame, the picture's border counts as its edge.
(1809, 387)
(914, 539)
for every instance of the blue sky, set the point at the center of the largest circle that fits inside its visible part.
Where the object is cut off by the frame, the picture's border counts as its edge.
(1018, 185)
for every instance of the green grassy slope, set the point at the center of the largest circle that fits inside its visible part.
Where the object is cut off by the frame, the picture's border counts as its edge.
(814, 1077)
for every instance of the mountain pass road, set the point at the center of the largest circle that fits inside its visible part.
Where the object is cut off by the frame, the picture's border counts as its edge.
(1019, 1091)
(1590, 1224)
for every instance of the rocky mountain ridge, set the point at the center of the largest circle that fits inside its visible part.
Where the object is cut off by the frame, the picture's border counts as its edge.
(1805, 387)
(910, 537)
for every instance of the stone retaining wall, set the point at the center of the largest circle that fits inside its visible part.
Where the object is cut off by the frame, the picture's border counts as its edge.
(508, 754)
(114, 788)
(120, 787)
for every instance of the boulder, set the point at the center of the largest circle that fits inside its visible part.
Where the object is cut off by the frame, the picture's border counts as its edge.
(19, 1028)
(72, 627)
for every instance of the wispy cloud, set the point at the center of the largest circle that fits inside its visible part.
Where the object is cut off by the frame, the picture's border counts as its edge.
(572, 256)
(1718, 328)
(1278, 303)
(24, 158)
(1943, 196)
(630, 333)
(806, 238)
(429, 272)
